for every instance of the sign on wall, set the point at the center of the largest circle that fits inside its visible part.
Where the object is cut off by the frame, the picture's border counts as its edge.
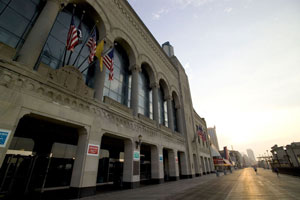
(160, 158)
(93, 150)
(4, 136)
(136, 155)
(176, 158)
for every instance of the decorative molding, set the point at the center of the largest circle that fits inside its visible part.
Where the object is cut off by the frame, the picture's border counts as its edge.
(12, 77)
(149, 41)
(117, 105)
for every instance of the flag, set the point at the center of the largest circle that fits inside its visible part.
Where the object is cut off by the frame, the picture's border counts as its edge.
(98, 53)
(92, 46)
(109, 63)
(79, 33)
(72, 39)
(201, 133)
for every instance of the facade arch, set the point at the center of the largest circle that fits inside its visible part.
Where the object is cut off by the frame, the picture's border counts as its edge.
(145, 60)
(126, 42)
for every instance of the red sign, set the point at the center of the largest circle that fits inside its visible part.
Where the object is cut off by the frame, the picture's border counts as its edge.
(93, 150)
(176, 159)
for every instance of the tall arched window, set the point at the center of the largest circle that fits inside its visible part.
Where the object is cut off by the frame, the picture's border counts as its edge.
(119, 88)
(144, 91)
(54, 48)
(16, 19)
(174, 116)
(162, 108)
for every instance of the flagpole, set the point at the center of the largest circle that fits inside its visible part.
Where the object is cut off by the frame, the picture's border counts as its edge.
(89, 55)
(84, 43)
(79, 26)
(65, 53)
(89, 66)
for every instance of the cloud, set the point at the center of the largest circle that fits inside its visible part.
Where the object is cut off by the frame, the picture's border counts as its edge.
(158, 14)
(228, 10)
(195, 3)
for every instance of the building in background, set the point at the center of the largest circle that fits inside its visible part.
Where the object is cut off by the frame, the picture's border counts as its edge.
(213, 137)
(65, 126)
(237, 158)
(251, 156)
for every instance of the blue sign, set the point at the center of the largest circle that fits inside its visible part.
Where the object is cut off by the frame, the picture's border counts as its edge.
(4, 135)
(160, 157)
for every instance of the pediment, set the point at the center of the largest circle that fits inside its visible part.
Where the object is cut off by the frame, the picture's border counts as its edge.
(70, 78)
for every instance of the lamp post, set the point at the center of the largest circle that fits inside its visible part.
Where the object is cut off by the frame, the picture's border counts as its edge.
(138, 142)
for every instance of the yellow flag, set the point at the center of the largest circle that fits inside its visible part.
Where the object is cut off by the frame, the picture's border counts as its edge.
(98, 53)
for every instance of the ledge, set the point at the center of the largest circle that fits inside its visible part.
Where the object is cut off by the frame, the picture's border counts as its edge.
(146, 120)
(7, 51)
(117, 105)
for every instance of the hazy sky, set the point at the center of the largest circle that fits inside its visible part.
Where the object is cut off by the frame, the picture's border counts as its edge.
(243, 62)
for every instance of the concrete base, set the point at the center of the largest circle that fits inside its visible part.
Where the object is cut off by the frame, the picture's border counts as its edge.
(157, 181)
(131, 185)
(173, 178)
(186, 176)
(81, 192)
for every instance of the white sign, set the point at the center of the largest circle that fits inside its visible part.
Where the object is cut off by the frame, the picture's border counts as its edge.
(93, 150)
(4, 136)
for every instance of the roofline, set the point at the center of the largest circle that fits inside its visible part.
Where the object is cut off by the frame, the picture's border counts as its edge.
(149, 32)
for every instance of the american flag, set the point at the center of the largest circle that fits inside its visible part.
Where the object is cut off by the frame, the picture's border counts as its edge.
(108, 61)
(92, 45)
(201, 133)
(72, 39)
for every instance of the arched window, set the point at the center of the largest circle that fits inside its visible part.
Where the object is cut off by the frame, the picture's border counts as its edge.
(16, 19)
(174, 110)
(162, 108)
(144, 94)
(119, 88)
(54, 48)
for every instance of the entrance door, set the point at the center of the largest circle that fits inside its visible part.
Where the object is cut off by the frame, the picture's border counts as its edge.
(21, 174)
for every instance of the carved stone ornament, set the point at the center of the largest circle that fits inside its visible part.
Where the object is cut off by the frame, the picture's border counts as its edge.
(71, 79)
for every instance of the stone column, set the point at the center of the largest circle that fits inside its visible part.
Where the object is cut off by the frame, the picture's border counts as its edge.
(37, 37)
(131, 168)
(9, 122)
(99, 83)
(173, 165)
(170, 113)
(135, 69)
(155, 87)
(100, 76)
(184, 166)
(203, 166)
(196, 165)
(83, 181)
(157, 165)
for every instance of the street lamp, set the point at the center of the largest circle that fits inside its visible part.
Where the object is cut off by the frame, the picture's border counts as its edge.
(139, 142)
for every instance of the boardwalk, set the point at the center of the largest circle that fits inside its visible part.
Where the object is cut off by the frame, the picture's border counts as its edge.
(241, 184)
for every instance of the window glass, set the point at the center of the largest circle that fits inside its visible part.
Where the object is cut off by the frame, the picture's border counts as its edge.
(144, 93)
(16, 19)
(161, 106)
(53, 52)
(174, 116)
(119, 88)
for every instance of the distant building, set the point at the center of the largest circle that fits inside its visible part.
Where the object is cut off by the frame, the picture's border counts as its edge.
(251, 155)
(286, 156)
(213, 136)
(237, 158)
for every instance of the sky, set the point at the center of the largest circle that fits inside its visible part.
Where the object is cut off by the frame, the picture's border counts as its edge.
(242, 58)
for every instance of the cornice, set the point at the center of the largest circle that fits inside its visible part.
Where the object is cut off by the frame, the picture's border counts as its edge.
(137, 23)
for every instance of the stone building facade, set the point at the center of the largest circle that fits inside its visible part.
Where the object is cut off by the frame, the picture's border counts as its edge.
(65, 127)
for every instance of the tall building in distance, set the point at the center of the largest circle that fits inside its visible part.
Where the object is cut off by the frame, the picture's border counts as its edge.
(213, 136)
(251, 155)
